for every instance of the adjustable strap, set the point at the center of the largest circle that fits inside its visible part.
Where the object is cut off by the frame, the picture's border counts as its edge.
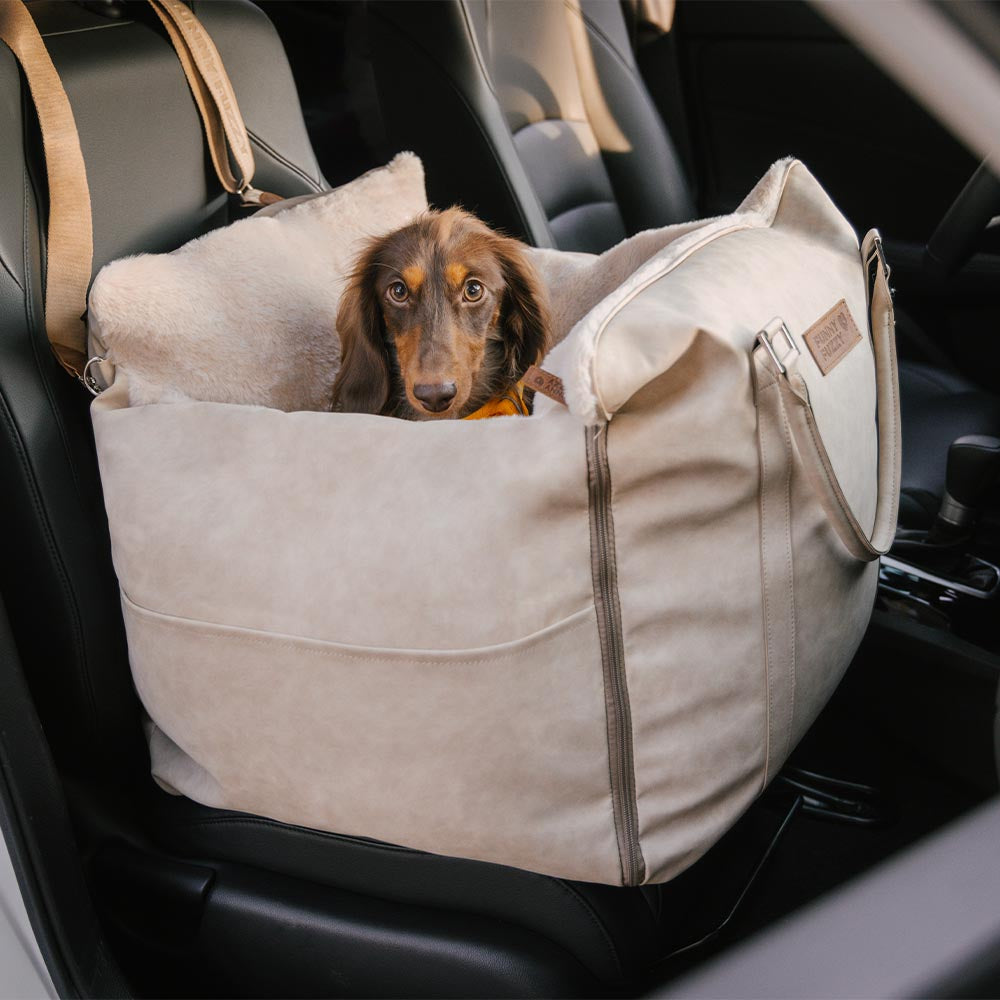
(70, 241)
(225, 130)
(775, 362)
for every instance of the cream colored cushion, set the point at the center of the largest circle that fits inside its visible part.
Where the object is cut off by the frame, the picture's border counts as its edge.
(246, 314)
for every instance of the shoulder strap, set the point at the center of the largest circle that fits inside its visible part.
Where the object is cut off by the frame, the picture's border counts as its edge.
(225, 130)
(783, 373)
(70, 242)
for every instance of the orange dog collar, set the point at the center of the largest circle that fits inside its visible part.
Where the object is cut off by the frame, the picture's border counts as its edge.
(510, 404)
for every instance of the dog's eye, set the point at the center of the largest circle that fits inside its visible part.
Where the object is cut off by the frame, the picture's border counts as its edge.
(473, 291)
(398, 292)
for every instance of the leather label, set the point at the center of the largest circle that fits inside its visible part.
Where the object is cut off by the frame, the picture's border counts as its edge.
(831, 338)
(546, 383)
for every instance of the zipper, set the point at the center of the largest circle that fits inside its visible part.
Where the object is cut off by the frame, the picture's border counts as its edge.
(609, 626)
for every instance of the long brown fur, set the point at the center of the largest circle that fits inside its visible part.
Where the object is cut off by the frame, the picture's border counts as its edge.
(438, 336)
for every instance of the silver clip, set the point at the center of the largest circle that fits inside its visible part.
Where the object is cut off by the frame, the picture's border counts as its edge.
(770, 337)
(880, 253)
(89, 380)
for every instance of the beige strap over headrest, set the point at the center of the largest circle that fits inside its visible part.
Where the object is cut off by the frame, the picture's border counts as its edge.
(213, 92)
(70, 242)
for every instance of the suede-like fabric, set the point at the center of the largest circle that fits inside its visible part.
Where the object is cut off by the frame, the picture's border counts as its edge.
(389, 628)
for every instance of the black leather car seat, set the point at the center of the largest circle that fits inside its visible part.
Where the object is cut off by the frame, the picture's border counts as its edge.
(250, 906)
(535, 115)
(516, 115)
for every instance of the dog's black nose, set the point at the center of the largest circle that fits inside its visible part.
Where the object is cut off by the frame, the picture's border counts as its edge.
(435, 398)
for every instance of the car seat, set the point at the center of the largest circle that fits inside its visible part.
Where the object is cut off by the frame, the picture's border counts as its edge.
(232, 903)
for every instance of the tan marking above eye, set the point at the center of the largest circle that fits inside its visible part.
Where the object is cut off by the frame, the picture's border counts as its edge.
(414, 277)
(456, 274)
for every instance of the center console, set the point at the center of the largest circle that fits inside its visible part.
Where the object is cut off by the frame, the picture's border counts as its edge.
(933, 648)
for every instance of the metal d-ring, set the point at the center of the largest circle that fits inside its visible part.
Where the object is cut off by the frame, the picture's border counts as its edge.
(88, 380)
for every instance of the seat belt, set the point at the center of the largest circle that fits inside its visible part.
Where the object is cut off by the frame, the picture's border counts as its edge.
(70, 238)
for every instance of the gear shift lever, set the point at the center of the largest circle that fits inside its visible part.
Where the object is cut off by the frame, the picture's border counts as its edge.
(973, 466)
(939, 559)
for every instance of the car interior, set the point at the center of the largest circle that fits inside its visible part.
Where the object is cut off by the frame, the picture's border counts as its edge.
(570, 125)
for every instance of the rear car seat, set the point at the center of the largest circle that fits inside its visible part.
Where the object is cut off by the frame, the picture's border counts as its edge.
(535, 115)
(266, 908)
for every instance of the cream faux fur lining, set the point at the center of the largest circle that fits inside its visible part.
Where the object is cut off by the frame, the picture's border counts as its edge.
(246, 313)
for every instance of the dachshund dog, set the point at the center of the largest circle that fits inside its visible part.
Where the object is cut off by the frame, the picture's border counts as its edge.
(438, 319)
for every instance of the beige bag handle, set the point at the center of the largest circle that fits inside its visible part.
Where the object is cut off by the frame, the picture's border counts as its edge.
(70, 240)
(780, 367)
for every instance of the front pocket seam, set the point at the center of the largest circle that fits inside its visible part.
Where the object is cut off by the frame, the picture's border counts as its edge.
(325, 647)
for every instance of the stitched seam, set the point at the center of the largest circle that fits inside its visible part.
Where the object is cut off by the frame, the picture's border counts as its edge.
(583, 204)
(93, 27)
(762, 450)
(609, 719)
(329, 649)
(618, 720)
(790, 596)
(632, 804)
(294, 167)
(317, 834)
(599, 33)
(594, 919)
(835, 490)
(13, 277)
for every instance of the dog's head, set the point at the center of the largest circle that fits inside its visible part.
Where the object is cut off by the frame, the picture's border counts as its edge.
(437, 318)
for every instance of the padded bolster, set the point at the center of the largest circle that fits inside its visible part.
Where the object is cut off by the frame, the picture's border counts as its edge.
(640, 158)
(565, 167)
(151, 185)
(609, 929)
(589, 228)
(246, 39)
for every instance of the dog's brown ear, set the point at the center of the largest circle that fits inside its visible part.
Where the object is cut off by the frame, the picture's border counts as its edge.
(524, 315)
(362, 384)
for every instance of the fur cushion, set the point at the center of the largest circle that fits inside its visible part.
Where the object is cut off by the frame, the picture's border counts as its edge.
(246, 314)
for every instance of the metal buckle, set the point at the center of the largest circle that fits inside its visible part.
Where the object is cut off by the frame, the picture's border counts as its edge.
(880, 253)
(88, 380)
(767, 338)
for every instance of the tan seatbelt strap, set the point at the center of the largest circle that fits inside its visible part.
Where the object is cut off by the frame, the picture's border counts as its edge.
(70, 243)
(213, 92)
